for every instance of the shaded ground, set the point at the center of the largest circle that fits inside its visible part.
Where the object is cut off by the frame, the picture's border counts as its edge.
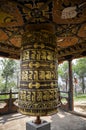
(60, 121)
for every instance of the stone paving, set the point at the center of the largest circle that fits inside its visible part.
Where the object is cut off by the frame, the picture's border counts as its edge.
(60, 121)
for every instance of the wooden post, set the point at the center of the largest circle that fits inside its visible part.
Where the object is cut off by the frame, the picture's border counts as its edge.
(10, 101)
(71, 102)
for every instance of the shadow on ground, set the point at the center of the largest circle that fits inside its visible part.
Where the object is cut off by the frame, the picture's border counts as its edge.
(60, 121)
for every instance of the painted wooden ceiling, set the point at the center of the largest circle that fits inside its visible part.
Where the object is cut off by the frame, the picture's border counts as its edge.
(65, 18)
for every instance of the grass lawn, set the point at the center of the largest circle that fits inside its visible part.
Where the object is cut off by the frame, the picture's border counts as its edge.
(4, 96)
(80, 97)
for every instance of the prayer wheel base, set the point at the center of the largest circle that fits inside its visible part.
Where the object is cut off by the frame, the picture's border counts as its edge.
(44, 125)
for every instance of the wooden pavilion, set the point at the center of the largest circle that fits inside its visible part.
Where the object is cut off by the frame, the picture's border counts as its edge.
(65, 19)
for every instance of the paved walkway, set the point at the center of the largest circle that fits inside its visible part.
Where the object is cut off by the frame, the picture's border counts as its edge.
(59, 121)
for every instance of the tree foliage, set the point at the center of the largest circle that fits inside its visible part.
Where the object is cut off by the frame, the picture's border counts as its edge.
(63, 74)
(9, 67)
(80, 69)
(63, 69)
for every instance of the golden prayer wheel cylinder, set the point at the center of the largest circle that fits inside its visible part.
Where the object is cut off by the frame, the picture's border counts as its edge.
(38, 94)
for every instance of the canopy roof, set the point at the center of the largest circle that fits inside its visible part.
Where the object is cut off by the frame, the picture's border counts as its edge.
(65, 18)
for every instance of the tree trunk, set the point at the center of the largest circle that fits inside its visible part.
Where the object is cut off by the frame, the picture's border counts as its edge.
(6, 81)
(66, 85)
(83, 85)
(75, 90)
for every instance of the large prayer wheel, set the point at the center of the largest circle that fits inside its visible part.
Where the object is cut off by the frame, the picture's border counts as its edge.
(38, 94)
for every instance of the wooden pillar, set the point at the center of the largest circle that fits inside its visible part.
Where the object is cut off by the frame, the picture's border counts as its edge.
(71, 102)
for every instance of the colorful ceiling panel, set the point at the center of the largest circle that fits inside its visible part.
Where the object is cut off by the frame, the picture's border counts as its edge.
(65, 18)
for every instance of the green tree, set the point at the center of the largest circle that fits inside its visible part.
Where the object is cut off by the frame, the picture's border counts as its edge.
(63, 72)
(80, 69)
(8, 68)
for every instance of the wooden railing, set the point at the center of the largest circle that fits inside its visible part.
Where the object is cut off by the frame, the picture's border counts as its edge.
(64, 98)
(8, 102)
